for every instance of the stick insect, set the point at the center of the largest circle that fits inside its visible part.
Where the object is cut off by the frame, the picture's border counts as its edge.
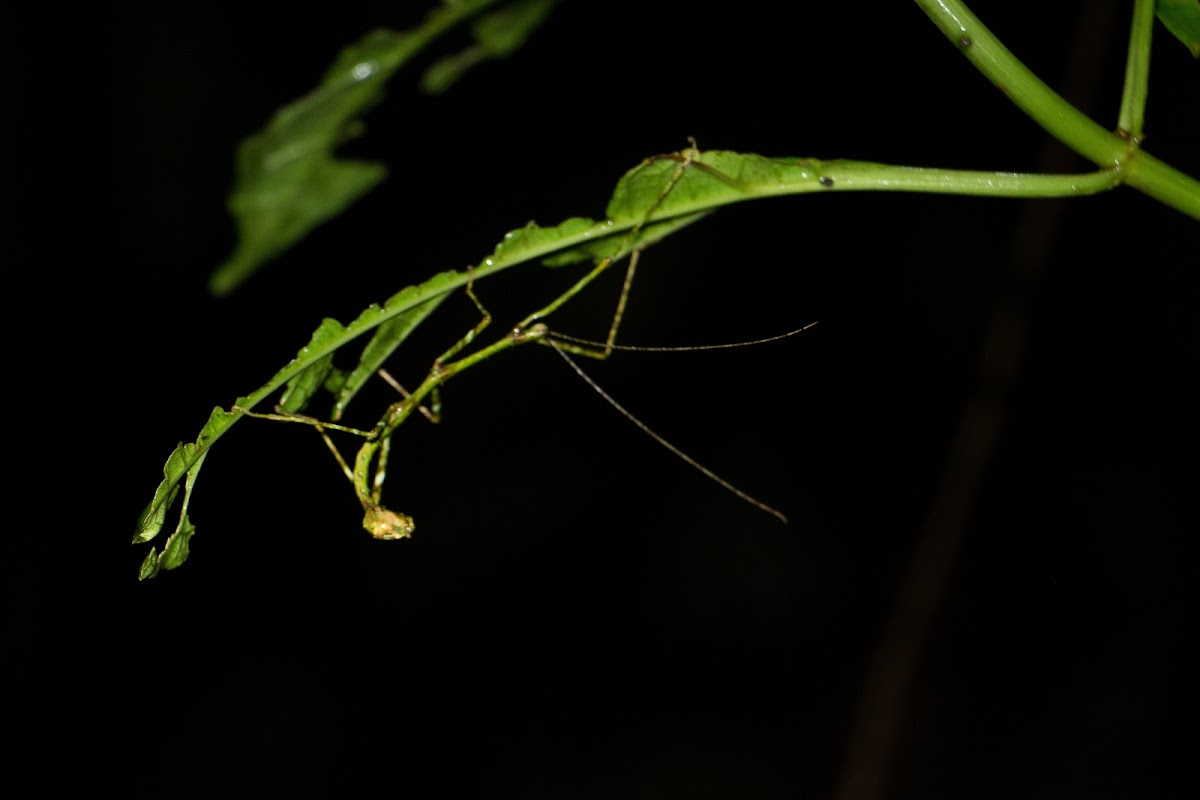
(369, 469)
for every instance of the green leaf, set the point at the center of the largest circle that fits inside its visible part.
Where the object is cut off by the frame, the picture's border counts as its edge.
(616, 247)
(304, 384)
(1182, 19)
(149, 566)
(176, 550)
(497, 34)
(185, 459)
(218, 422)
(288, 181)
(503, 31)
(532, 240)
(155, 514)
(387, 338)
(665, 193)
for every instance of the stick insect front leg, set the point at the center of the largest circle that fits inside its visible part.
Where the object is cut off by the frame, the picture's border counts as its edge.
(380, 522)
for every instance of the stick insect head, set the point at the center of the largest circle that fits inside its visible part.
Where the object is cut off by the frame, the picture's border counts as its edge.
(385, 524)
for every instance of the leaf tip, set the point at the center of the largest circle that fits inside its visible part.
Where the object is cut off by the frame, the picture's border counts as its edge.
(149, 566)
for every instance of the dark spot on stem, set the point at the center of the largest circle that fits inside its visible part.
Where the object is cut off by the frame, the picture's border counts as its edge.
(826, 181)
(964, 42)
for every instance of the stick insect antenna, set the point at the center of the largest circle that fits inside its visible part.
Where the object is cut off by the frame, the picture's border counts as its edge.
(656, 437)
(562, 338)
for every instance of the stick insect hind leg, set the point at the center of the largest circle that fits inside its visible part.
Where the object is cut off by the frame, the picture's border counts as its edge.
(563, 344)
(686, 159)
(569, 344)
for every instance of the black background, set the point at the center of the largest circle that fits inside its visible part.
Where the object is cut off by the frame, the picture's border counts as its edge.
(579, 613)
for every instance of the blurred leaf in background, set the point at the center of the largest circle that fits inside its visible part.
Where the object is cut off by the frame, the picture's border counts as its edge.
(288, 179)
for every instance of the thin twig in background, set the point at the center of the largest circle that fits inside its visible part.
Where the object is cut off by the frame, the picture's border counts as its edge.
(881, 711)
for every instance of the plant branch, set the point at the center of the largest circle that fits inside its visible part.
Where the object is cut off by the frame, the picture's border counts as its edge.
(1058, 117)
(1137, 72)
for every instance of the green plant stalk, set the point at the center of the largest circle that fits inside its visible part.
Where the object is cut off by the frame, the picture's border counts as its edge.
(1132, 116)
(1058, 117)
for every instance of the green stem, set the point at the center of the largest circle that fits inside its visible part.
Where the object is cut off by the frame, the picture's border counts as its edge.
(1137, 71)
(866, 176)
(1058, 117)
(1006, 72)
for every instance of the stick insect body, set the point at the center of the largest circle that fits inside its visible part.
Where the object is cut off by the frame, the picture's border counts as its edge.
(370, 464)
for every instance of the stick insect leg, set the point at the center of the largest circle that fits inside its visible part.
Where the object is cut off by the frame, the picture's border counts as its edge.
(380, 522)
(385, 448)
(434, 412)
(405, 393)
(596, 350)
(322, 427)
(620, 312)
(708, 473)
(435, 397)
(471, 334)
